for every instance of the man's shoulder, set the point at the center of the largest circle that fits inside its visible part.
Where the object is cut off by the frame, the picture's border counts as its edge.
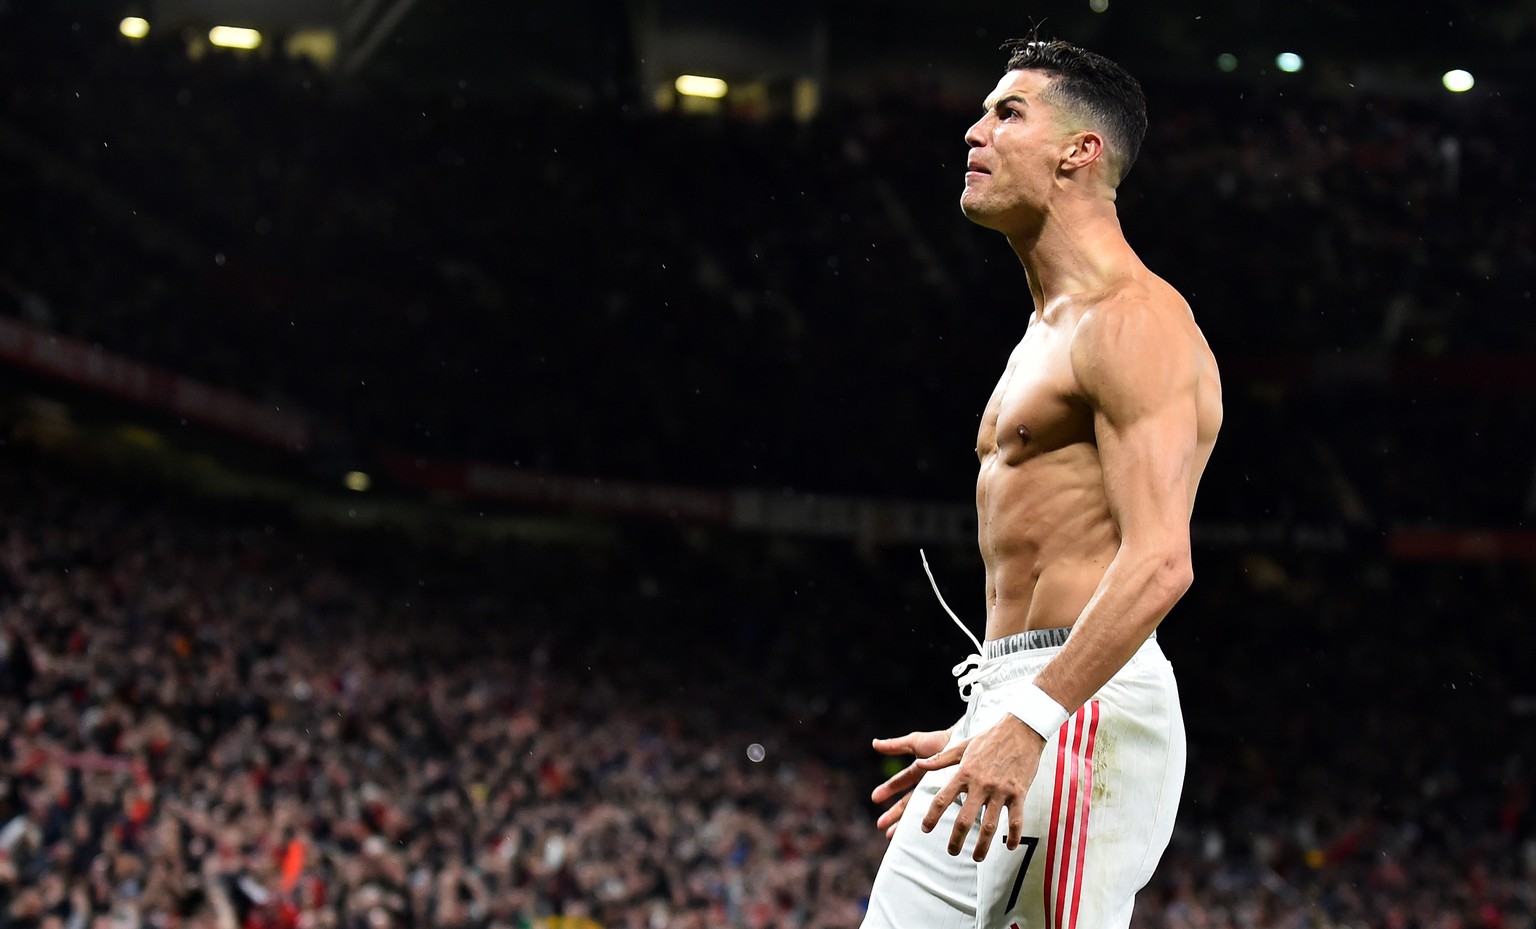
(1143, 294)
(1136, 334)
(1125, 316)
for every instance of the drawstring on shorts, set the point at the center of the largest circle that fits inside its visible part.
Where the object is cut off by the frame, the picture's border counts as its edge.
(973, 671)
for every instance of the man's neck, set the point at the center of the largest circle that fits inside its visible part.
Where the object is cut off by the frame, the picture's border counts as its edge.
(1077, 247)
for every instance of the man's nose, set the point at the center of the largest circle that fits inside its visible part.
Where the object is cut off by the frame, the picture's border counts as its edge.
(974, 137)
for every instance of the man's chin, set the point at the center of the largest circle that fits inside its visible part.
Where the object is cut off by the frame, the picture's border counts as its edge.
(978, 212)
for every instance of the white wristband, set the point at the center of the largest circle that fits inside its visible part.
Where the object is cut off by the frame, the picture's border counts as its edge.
(1035, 709)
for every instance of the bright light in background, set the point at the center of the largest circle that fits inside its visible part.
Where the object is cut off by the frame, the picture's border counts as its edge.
(318, 45)
(807, 99)
(134, 27)
(693, 85)
(1289, 62)
(358, 481)
(1227, 62)
(1457, 81)
(234, 37)
(1098, 6)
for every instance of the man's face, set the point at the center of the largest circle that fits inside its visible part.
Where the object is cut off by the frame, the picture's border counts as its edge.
(1016, 148)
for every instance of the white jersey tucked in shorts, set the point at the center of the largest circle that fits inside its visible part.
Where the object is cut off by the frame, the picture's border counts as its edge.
(1097, 817)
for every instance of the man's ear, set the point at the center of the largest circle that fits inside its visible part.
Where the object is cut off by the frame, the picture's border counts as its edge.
(1083, 149)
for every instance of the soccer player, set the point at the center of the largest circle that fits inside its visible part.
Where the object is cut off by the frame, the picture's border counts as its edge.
(1060, 783)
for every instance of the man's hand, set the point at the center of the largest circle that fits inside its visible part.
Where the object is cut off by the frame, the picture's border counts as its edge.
(922, 744)
(996, 769)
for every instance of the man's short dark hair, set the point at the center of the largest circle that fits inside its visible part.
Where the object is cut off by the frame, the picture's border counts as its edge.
(1091, 84)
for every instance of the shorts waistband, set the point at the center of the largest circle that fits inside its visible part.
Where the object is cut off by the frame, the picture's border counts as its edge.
(1027, 641)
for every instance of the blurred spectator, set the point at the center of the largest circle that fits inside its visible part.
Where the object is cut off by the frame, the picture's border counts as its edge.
(224, 727)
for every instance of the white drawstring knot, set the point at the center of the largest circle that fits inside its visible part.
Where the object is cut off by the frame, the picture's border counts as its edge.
(973, 670)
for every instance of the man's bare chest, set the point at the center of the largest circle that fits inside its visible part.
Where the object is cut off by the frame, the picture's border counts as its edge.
(1035, 406)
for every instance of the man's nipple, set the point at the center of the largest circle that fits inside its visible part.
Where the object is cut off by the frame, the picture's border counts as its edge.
(1024, 434)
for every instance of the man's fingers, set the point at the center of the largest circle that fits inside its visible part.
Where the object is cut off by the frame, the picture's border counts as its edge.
(901, 745)
(941, 802)
(899, 783)
(920, 744)
(1015, 822)
(892, 816)
(907, 777)
(928, 743)
(974, 804)
(949, 756)
(989, 819)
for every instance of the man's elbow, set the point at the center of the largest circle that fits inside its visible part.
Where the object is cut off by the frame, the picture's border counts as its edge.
(1175, 572)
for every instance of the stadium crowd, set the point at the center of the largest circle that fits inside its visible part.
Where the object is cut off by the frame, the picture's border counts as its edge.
(202, 731)
(212, 721)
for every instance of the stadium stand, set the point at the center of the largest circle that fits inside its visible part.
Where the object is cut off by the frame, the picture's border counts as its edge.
(220, 716)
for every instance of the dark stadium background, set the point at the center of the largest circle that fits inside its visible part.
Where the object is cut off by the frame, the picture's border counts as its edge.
(434, 449)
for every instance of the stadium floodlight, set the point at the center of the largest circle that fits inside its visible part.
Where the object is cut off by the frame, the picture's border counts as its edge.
(358, 481)
(234, 37)
(1457, 81)
(1227, 62)
(134, 27)
(1289, 62)
(694, 85)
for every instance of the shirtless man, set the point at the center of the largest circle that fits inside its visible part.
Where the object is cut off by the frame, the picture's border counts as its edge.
(1091, 449)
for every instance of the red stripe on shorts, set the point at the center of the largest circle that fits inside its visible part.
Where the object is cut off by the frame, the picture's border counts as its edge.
(1071, 819)
(1050, 839)
(1082, 835)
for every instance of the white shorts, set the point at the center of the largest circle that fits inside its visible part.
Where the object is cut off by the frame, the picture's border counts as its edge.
(1096, 819)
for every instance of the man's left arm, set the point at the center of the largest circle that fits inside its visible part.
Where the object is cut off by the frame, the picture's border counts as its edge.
(1137, 370)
